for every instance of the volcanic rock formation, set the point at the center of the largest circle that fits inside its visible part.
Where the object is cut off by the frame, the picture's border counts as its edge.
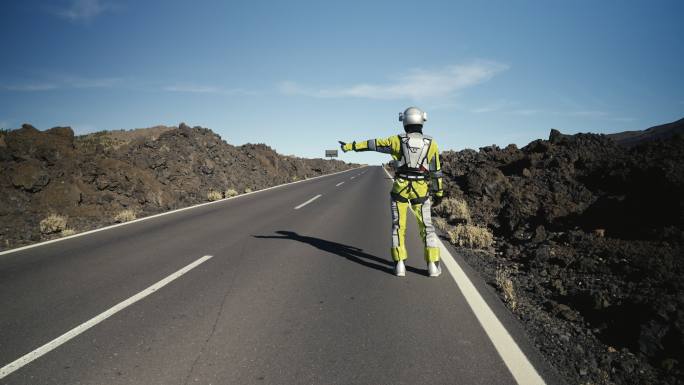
(110, 176)
(590, 233)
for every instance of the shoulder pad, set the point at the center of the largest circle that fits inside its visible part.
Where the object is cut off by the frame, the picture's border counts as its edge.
(428, 137)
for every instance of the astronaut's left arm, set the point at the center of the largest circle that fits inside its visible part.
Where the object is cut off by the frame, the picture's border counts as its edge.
(435, 169)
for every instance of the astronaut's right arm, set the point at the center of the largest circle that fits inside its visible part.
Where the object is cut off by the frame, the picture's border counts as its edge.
(385, 145)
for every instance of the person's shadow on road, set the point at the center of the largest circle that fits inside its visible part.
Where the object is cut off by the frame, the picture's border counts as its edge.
(351, 253)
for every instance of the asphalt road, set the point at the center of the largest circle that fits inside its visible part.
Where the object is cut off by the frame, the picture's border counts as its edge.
(290, 296)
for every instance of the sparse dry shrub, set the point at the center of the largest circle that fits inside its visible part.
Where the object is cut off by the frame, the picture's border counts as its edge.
(66, 232)
(54, 223)
(440, 224)
(455, 210)
(125, 216)
(231, 193)
(505, 284)
(474, 237)
(248, 190)
(213, 195)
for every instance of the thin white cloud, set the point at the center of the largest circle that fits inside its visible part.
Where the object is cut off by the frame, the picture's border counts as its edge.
(416, 84)
(84, 10)
(62, 82)
(205, 89)
(65, 81)
(29, 87)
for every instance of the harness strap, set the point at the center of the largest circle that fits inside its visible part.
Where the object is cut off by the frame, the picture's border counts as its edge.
(397, 197)
(411, 176)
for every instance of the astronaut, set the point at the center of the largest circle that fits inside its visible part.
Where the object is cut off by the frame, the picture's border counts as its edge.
(417, 176)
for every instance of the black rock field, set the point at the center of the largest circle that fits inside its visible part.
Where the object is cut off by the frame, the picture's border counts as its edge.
(112, 176)
(589, 231)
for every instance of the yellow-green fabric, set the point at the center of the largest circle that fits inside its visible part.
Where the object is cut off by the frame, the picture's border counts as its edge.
(399, 213)
(392, 145)
(414, 192)
(411, 189)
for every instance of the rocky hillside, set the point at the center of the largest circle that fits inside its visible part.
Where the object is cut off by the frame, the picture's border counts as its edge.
(588, 249)
(661, 132)
(53, 183)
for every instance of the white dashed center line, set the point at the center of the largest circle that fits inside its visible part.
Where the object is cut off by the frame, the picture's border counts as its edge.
(28, 357)
(339, 184)
(307, 202)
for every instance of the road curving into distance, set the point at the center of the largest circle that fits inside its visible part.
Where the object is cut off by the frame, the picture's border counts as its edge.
(289, 285)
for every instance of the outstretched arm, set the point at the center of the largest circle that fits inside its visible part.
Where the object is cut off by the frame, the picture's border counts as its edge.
(385, 145)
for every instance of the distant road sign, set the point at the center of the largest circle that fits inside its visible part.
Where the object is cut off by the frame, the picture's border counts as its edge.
(331, 153)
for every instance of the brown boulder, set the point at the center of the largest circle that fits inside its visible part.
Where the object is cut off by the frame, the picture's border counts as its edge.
(65, 132)
(60, 196)
(30, 176)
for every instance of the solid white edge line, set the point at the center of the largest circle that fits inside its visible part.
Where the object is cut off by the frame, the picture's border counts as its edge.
(516, 361)
(37, 353)
(339, 184)
(165, 213)
(307, 202)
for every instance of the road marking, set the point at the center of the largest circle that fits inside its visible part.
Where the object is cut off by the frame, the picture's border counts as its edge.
(27, 358)
(339, 184)
(165, 213)
(353, 177)
(307, 202)
(517, 363)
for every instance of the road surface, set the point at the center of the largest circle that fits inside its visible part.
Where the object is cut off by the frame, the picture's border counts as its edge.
(292, 285)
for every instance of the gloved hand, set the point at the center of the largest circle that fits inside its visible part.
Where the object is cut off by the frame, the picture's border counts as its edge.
(342, 144)
(437, 199)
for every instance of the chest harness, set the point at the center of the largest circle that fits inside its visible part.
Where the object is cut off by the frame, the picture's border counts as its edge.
(413, 165)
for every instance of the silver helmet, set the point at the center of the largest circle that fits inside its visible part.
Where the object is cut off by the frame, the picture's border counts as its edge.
(413, 115)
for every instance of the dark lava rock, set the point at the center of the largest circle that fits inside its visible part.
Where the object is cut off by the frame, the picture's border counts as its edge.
(595, 233)
(29, 176)
(90, 179)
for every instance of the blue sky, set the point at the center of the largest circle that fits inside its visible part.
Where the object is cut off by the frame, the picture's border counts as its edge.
(301, 75)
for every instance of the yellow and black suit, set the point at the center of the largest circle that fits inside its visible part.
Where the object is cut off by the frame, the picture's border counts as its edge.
(417, 175)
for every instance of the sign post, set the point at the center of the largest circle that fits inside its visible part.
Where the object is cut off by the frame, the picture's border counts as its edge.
(331, 154)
